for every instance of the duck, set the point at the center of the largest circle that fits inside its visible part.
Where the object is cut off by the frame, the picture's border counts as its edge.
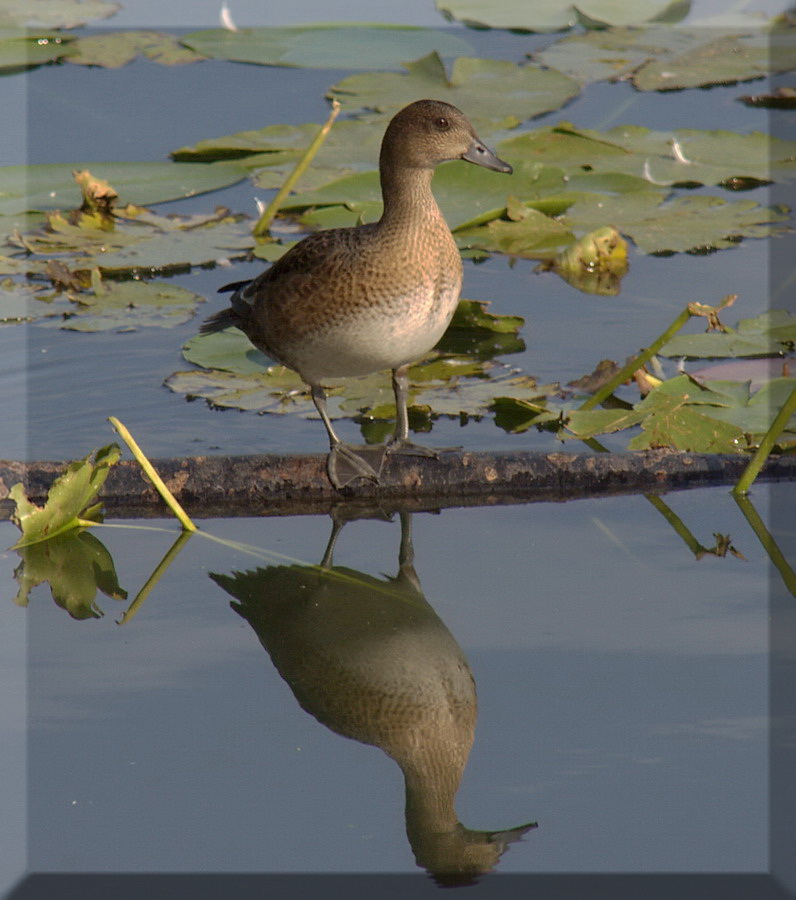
(353, 301)
(371, 660)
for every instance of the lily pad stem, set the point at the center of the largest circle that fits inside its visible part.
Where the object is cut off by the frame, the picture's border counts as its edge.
(766, 445)
(149, 469)
(264, 223)
(626, 372)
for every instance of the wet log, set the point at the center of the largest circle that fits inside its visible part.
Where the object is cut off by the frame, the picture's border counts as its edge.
(209, 486)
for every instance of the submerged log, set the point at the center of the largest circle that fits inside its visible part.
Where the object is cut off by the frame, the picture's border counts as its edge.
(209, 486)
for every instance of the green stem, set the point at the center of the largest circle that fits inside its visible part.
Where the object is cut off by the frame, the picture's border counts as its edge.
(769, 544)
(148, 468)
(155, 577)
(637, 362)
(264, 223)
(766, 446)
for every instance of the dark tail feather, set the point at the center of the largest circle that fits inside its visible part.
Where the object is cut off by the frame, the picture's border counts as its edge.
(219, 321)
(235, 286)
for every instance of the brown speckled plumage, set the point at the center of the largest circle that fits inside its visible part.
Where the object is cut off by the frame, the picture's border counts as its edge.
(352, 301)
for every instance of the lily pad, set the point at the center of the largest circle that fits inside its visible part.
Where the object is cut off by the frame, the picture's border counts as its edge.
(52, 186)
(112, 51)
(488, 90)
(128, 305)
(54, 13)
(137, 242)
(19, 51)
(769, 334)
(685, 155)
(657, 225)
(670, 422)
(20, 303)
(76, 565)
(663, 58)
(70, 498)
(543, 15)
(326, 45)
(467, 194)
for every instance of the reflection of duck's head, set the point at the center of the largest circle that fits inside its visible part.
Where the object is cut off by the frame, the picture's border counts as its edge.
(371, 660)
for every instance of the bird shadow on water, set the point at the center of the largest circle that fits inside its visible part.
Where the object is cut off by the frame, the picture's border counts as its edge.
(371, 660)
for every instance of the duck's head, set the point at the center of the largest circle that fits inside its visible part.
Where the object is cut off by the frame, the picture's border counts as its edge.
(428, 132)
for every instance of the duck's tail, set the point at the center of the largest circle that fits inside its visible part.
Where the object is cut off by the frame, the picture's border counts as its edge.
(234, 314)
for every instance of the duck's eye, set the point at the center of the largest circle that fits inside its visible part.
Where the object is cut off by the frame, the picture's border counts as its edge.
(442, 123)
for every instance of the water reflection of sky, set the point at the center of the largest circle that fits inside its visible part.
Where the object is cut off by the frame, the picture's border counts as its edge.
(622, 702)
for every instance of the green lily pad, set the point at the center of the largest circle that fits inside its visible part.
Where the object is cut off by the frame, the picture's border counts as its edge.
(487, 90)
(236, 375)
(769, 334)
(527, 232)
(112, 51)
(53, 13)
(670, 422)
(657, 225)
(70, 498)
(326, 45)
(467, 194)
(662, 58)
(137, 242)
(76, 566)
(19, 50)
(20, 303)
(52, 186)
(543, 15)
(655, 157)
(128, 305)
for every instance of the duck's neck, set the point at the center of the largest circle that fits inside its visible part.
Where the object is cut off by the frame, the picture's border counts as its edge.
(407, 195)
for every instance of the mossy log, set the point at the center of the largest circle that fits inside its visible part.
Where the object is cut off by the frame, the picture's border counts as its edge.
(209, 486)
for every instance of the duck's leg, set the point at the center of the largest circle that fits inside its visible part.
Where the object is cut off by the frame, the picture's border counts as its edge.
(399, 442)
(345, 462)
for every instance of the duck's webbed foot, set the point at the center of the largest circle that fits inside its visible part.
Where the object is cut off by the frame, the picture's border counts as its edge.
(407, 448)
(347, 462)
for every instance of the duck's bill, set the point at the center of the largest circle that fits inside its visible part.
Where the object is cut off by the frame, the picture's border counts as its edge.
(483, 156)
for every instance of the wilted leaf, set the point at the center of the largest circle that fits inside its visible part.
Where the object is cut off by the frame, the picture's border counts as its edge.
(53, 13)
(769, 334)
(665, 58)
(490, 90)
(112, 51)
(595, 264)
(76, 565)
(52, 186)
(326, 46)
(68, 500)
(542, 15)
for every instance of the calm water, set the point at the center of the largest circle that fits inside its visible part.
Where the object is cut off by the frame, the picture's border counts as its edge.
(624, 687)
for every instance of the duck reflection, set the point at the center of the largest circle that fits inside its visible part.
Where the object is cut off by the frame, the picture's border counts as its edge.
(370, 659)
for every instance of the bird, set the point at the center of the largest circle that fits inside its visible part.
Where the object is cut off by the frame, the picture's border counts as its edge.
(354, 301)
(371, 660)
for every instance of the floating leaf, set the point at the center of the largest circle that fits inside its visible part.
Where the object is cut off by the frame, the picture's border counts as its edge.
(664, 58)
(53, 13)
(19, 51)
(138, 241)
(127, 305)
(489, 90)
(20, 303)
(658, 225)
(769, 334)
(68, 500)
(467, 194)
(52, 186)
(528, 233)
(76, 566)
(686, 155)
(326, 46)
(112, 51)
(542, 15)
